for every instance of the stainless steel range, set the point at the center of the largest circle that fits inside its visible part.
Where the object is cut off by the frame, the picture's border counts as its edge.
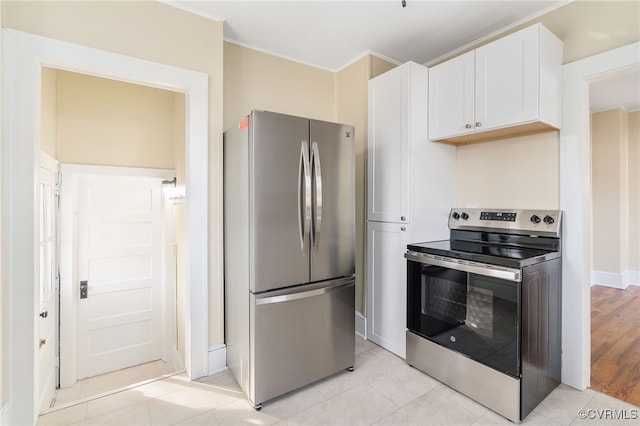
(484, 307)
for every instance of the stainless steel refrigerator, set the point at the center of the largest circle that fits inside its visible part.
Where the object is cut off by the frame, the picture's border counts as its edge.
(289, 220)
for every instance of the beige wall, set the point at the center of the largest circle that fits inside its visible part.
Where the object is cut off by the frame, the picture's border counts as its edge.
(255, 80)
(379, 66)
(157, 32)
(615, 140)
(49, 111)
(111, 123)
(351, 105)
(520, 172)
(605, 144)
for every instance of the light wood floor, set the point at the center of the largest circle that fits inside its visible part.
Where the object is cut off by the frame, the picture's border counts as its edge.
(615, 342)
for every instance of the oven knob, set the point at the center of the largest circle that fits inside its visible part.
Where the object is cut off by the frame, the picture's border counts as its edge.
(464, 216)
(455, 215)
(535, 218)
(548, 220)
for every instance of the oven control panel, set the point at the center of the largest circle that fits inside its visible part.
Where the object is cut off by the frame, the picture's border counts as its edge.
(503, 216)
(534, 222)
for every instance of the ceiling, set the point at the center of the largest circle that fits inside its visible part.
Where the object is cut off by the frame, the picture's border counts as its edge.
(331, 34)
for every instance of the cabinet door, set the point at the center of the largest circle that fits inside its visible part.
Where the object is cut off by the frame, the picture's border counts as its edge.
(507, 81)
(387, 285)
(388, 153)
(451, 97)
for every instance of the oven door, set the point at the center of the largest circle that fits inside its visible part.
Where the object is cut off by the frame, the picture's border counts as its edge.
(466, 309)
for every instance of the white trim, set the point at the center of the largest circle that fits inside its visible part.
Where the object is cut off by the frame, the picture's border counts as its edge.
(187, 7)
(365, 53)
(361, 325)
(217, 358)
(631, 278)
(5, 413)
(309, 64)
(85, 169)
(169, 280)
(48, 162)
(276, 55)
(575, 201)
(608, 279)
(492, 36)
(21, 100)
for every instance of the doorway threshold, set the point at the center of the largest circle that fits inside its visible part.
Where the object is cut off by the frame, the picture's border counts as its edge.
(96, 387)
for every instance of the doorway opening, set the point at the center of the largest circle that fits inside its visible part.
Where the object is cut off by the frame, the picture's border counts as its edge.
(20, 192)
(116, 230)
(614, 103)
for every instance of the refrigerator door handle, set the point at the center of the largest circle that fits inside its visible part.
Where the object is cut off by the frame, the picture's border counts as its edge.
(304, 195)
(317, 177)
(338, 285)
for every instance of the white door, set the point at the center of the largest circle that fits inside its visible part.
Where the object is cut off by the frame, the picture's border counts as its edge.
(388, 159)
(47, 323)
(119, 258)
(387, 285)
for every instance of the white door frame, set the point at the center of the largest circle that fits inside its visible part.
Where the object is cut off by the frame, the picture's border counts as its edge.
(575, 201)
(69, 286)
(23, 56)
(50, 164)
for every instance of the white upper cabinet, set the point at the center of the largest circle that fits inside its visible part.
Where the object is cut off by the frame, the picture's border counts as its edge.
(451, 97)
(388, 154)
(508, 87)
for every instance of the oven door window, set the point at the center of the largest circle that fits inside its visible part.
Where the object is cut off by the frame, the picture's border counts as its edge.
(474, 315)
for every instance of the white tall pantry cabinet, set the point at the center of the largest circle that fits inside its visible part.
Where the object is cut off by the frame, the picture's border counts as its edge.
(411, 188)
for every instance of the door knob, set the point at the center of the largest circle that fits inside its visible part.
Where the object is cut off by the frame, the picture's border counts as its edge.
(44, 314)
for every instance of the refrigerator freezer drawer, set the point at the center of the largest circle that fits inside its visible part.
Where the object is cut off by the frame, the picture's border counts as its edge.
(301, 337)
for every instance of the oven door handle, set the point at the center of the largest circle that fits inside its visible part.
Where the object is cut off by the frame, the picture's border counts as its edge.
(493, 271)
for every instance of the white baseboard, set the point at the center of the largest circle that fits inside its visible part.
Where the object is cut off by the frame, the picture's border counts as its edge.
(4, 414)
(361, 325)
(631, 277)
(217, 358)
(607, 279)
(615, 279)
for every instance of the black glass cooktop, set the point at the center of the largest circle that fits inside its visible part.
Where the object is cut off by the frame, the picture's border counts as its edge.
(495, 254)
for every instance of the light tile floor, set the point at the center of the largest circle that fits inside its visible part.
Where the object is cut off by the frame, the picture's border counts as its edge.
(110, 382)
(382, 390)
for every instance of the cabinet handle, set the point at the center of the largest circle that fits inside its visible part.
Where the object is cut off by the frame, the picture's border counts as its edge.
(467, 126)
(403, 218)
(42, 342)
(402, 228)
(44, 314)
(478, 124)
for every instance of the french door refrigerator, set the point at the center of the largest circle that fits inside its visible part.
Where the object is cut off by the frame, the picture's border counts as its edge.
(289, 220)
